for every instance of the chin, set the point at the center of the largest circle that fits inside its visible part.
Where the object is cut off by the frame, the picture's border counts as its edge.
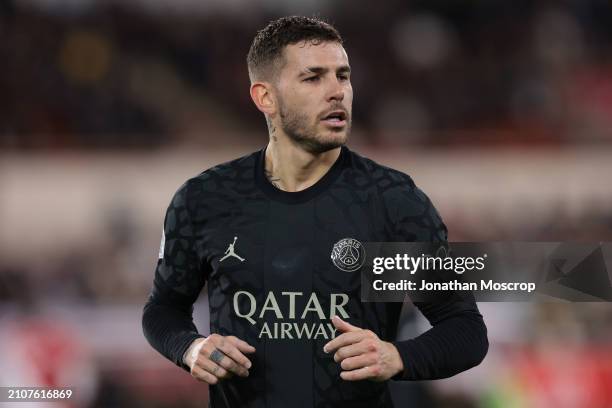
(321, 145)
(321, 142)
(326, 144)
(334, 136)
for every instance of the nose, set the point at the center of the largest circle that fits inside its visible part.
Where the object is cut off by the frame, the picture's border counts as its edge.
(336, 91)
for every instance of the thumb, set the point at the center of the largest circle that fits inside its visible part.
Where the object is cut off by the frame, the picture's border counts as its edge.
(343, 326)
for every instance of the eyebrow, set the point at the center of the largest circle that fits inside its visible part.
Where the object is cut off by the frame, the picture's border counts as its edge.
(323, 70)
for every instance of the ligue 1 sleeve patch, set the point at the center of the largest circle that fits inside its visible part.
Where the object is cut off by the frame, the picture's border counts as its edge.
(162, 244)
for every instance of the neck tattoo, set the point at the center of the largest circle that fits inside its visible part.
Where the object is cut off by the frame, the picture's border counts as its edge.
(271, 129)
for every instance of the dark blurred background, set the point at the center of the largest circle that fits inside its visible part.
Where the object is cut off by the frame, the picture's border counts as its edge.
(500, 110)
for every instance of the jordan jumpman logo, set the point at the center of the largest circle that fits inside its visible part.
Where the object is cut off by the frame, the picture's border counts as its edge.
(230, 252)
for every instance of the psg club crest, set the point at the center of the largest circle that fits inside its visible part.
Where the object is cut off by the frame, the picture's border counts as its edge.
(348, 254)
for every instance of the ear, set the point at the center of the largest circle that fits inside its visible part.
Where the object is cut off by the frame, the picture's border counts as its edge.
(261, 94)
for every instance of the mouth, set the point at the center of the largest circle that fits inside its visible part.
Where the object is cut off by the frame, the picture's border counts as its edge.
(335, 118)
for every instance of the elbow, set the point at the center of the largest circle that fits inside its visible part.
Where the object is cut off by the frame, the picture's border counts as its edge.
(478, 341)
(482, 342)
(144, 319)
(148, 319)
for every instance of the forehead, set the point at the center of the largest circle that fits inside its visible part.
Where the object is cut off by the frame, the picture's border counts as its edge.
(306, 54)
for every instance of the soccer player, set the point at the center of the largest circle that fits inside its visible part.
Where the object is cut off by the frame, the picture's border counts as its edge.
(288, 327)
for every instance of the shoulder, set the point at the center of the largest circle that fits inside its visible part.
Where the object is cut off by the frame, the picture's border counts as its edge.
(232, 176)
(408, 208)
(227, 174)
(388, 181)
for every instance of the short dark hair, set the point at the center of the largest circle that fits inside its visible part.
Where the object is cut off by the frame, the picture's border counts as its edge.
(266, 51)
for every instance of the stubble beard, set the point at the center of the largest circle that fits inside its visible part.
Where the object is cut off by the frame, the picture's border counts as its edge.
(296, 126)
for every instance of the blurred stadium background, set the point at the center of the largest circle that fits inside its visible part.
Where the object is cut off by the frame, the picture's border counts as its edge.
(500, 110)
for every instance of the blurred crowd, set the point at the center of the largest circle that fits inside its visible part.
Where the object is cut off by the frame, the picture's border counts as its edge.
(112, 74)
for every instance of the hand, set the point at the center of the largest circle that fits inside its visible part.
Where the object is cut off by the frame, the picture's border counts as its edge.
(362, 355)
(218, 357)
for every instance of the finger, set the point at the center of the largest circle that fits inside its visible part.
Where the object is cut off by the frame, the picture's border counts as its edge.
(230, 365)
(202, 375)
(343, 326)
(363, 347)
(212, 367)
(241, 344)
(233, 360)
(235, 356)
(361, 373)
(226, 345)
(363, 360)
(344, 340)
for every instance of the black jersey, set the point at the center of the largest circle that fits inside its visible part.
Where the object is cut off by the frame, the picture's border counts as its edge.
(266, 256)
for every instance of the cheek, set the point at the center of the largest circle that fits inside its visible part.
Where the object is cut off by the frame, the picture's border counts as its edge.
(299, 101)
(349, 95)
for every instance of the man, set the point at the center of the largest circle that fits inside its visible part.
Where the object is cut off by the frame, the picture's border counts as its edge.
(288, 327)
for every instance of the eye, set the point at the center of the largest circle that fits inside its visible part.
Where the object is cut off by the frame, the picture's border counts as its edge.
(312, 79)
(343, 77)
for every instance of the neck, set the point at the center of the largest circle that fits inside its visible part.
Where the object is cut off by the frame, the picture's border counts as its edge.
(291, 168)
